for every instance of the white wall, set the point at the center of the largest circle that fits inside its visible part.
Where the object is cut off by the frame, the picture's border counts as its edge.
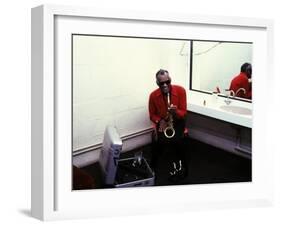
(113, 77)
(112, 80)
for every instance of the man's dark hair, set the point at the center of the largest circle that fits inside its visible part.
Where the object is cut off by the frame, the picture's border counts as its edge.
(161, 72)
(244, 67)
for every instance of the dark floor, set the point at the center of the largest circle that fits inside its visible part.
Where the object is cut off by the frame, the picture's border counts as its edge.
(206, 165)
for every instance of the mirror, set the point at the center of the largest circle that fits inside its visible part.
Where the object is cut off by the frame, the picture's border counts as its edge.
(216, 64)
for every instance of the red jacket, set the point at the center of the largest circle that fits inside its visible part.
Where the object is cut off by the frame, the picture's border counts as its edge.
(158, 105)
(241, 81)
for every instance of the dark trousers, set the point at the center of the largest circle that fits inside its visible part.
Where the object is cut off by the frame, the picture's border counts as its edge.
(177, 145)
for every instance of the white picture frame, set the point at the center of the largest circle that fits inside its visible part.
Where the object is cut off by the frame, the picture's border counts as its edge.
(53, 199)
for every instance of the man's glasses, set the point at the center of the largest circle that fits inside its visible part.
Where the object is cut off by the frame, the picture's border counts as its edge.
(168, 82)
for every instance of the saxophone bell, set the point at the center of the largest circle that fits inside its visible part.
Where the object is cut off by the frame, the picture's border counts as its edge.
(169, 132)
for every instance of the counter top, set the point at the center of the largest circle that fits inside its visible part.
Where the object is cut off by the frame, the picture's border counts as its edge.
(211, 107)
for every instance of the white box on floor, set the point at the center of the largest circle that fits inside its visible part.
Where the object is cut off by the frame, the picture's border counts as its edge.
(129, 172)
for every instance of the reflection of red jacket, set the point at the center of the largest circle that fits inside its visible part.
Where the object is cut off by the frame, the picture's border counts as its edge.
(158, 103)
(241, 81)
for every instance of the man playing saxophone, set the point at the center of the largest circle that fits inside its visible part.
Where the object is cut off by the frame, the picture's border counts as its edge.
(167, 110)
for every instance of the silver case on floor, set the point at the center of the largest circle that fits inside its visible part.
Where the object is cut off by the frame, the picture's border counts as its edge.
(109, 161)
(149, 181)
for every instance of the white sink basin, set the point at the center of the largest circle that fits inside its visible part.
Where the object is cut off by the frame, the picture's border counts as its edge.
(237, 109)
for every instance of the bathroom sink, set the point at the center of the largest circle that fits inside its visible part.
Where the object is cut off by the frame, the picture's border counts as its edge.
(236, 109)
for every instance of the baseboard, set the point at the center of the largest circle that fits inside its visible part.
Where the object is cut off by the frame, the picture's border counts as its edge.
(90, 155)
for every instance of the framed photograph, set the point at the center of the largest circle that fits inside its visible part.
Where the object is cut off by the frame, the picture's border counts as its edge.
(96, 119)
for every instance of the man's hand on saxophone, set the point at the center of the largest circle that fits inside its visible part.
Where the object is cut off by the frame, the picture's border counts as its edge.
(172, 109)
(162, 125)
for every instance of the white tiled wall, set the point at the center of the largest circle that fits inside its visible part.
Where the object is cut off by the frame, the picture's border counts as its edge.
(112, 80)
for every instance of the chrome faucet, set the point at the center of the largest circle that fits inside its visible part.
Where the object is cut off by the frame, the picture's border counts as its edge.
(231, 92)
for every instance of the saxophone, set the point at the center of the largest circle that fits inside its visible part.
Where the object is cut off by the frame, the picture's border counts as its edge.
(169, 131)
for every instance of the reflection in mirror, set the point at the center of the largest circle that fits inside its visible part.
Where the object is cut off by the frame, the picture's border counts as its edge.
(219, 66)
